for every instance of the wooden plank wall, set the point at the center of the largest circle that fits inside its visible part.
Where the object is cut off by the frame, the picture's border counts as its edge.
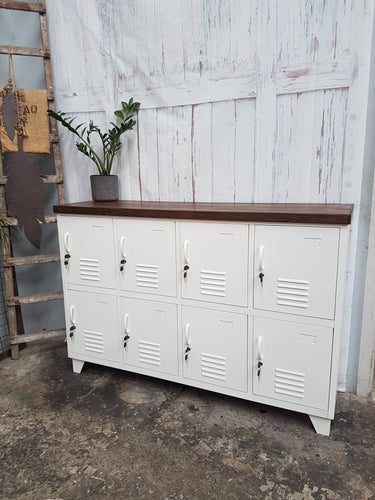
(245, 101)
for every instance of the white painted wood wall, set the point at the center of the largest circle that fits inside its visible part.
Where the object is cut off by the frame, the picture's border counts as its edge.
(242, 100)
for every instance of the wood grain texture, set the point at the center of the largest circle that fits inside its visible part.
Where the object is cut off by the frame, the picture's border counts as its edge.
(44, 334)
(31, 259)
(243, 212)
(25, 6)
(34, 298)
(241, 101)
(200, 135)
(25, 51)
(266, 102)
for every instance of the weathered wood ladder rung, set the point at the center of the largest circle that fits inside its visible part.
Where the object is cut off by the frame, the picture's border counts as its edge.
(9, 261)
(44, 334)
(34, 298)
(31, 259)
(12, 221)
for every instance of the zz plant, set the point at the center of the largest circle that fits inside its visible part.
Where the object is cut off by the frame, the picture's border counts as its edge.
(110, 143)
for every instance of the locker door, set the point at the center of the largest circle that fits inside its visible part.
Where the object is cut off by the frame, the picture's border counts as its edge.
(216, 256)
(215, 345)
(149, 249)
(92, 320)
(299, 267)
(87, 244)
(296, 362)
(149, 335)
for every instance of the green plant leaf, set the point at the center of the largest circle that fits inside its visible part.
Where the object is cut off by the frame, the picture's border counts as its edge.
(120, 114)
(110, 140)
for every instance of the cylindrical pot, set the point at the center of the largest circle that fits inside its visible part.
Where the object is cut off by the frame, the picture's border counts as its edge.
(104, 187)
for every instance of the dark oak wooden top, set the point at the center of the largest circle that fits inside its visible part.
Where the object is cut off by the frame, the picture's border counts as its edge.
(306, 213)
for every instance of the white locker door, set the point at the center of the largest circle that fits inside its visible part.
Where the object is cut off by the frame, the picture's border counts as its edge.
(149, 335)
(87, 249)
(299, 267)
(215, 347)
(147, 256)
(214, 262)
(292, 362)
(92, 326)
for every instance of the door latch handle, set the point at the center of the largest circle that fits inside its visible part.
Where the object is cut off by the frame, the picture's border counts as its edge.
(186, 268)
(187, 350)
(126, 338)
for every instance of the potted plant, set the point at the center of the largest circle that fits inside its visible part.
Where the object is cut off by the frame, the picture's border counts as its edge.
(104, 186)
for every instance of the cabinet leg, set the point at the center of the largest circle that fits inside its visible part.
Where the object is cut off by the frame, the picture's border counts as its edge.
(321, 425)
(77, 365)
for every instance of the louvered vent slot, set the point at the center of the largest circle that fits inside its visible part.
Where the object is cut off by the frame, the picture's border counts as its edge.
(294, 293)
(149, 352)
(213, 283)
(93, 341)
(147, 276)
(213, 366)
(289, 383)
(89, 269)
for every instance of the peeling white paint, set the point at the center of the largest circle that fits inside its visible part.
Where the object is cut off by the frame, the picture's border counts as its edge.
(241, 100)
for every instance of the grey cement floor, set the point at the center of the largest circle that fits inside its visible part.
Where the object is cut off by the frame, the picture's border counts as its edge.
(109, 434)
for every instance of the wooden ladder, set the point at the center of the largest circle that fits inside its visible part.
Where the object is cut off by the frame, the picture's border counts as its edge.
(9, 262)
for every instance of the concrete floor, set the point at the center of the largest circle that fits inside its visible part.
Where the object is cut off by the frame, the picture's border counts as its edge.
(109, 434)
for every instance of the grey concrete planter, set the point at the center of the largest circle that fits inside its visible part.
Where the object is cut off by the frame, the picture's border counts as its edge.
(104, 187)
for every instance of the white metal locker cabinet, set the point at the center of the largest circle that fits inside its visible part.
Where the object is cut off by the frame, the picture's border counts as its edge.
(292, 362)
(92, 326)
(87, 249)
(215, 347)
(295, 269)
(147, 256)
(149, 337)
(215, 262)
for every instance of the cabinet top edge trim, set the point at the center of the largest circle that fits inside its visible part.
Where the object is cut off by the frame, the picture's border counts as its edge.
(307, 213)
